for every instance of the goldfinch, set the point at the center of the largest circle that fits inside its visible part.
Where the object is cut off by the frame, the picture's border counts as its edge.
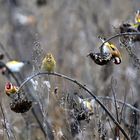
(10, 89)
(137, 16)
(109, 48)
(136, 25)
(85, 103)
(16, 66)
(48, 63)
(108, 52)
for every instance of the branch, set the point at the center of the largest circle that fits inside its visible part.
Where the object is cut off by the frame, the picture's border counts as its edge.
(119, 101)
(119, 35)
(83, 87)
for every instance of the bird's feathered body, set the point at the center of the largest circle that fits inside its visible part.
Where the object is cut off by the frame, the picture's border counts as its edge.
(110, 48)
(15, 66)
(48, 63)
(85, 103)
(108, 52)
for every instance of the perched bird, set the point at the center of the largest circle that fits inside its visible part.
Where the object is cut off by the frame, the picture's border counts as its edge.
(10, 89)
(137, 16)
(135, 26)
(16, 66)
(85, 103)
(108, 52)
(48, 63)
(109, 48)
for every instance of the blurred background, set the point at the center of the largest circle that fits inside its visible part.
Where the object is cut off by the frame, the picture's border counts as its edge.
(69, 29)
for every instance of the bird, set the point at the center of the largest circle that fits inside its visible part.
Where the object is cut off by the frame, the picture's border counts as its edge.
(136, 25)
(110, 48)
(16, 66)
(108, 52)
(137, 16)
(85, 103)
(48, 63)
(11, 89)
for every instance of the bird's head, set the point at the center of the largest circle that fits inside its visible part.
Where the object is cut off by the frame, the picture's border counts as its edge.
(49, 57)
(116, 55)
(8, 86)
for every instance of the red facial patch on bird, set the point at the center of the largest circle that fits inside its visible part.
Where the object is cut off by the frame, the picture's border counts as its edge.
(8, 85)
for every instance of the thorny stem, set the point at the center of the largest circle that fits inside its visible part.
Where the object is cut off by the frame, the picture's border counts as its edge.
(86, 89)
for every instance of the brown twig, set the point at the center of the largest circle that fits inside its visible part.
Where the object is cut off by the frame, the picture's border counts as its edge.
(83, 87)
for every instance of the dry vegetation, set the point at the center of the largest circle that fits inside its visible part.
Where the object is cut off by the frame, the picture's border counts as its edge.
(88, 102)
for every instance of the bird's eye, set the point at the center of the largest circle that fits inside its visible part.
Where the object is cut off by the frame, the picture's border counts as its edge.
(113, 48)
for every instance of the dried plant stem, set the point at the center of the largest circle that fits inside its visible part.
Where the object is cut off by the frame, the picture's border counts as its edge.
(118, 35)
(83, 87)
(113, 81)
(5, 52)
(9, 132)
(119, 101)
